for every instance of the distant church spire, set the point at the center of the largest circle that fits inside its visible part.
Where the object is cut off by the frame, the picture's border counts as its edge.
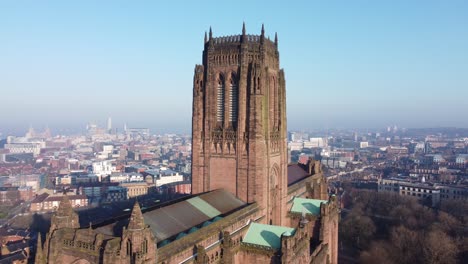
(206, 38)
(211, 34)
(136, 218)
(243, 29)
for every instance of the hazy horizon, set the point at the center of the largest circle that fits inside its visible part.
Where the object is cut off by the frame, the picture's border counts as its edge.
(353, 64)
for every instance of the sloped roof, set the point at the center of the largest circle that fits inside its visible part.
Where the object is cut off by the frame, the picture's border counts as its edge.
(296, 172)
(309, 206)
(168, 221)
(268, 236)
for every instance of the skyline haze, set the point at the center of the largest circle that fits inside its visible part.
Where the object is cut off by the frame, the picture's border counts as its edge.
(347, 65)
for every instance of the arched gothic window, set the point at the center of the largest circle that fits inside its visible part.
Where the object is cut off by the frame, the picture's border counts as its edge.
(220, 100)
(233, 99)
(129, 248)
(145, 246)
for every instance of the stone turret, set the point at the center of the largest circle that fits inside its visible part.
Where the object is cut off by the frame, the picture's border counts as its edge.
(136, 219)
(138, 243)
(65, 217)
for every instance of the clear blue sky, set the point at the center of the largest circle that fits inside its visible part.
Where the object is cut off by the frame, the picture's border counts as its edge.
(353, 64)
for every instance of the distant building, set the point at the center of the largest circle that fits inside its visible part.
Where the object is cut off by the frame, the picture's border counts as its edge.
(126, 177)
(44, 202)
(363, 144)
(116, 194)
(433, 158)
(136, 133)
(103, 168)
(296, 145)
(135, 189)
(9, 195)
(452, 192)
(393, 150)
(462, 159)
(26, 193)
(26, 147)
(318, 142)
(182, 187)
(163, 176)
(16, 157)
(422, 190)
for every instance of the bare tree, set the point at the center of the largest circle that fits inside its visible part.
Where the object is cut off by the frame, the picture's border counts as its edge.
(438, 247)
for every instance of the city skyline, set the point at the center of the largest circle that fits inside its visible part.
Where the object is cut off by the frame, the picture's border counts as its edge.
(350, 65)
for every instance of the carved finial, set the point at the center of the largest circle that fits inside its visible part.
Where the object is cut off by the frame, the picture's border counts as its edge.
(262, 36)
(136, 218)
(206, 37)
(276, 39)
(211, 34)
(243, 28)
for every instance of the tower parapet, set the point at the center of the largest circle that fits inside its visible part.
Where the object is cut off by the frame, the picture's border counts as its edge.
(242, 38)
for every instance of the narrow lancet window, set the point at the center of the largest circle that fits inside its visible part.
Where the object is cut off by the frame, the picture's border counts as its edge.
(233, 98)
(220, 101)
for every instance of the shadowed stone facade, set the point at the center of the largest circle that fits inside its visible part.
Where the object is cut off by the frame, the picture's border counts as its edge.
(67, 243)
(248, 205)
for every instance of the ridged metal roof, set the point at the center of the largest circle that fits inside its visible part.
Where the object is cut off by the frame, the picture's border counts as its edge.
(169, 221)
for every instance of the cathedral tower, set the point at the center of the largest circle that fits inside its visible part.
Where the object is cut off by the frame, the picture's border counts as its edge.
(239, 121)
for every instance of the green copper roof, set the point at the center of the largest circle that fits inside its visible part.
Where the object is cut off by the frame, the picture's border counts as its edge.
(309, 206)
(204, 207)
(266, 235)
(207, 223)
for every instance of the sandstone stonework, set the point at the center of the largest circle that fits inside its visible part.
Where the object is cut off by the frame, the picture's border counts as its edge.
(239, 122)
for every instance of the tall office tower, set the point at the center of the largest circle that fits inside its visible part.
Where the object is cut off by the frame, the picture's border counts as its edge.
(109, 125)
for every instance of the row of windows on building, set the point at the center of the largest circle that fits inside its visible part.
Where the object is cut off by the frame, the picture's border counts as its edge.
(416, 189)
(415, 194)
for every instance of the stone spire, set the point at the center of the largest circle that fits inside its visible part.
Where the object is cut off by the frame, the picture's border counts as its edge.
(65, 208)
(243, 29)
(206, 38)
(137, 221)
(65, 217)
(211, 34)
(276, 39)
(262, 36)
